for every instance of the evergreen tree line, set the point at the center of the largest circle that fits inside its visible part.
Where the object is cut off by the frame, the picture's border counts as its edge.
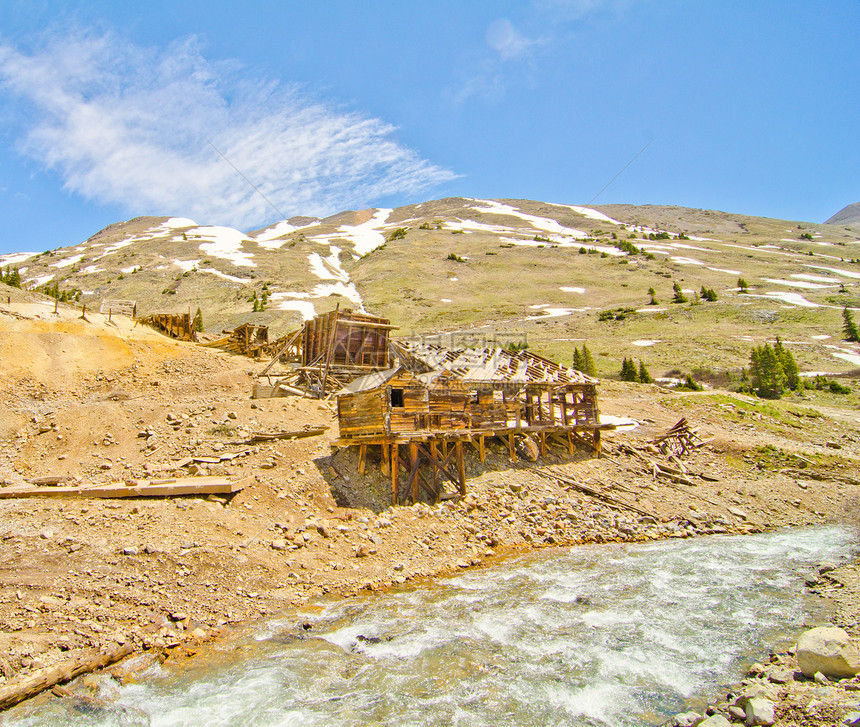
(583, 361)
(64, 296)
(629, 372)
(11, 277)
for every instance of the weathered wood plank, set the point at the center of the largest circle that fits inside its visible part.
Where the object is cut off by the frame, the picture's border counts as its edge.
(162, 488)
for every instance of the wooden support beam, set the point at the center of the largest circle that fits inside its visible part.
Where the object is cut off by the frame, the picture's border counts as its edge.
(395, 466)
(435, 467)
(596, 446)
(413, 467)
(482, 452)
(385, 460)
(543, 449)
(362, 458)
(512, 452)
(571, 447)
(461, 467)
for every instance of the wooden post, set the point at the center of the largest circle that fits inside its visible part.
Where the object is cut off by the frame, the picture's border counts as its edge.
(543, 444)
(395, 465)
(511, 451)
(571, 448)
(482, 452)
(413, 467)
(597, 442)
(362, 458)
(433, 458)
(461, 467)
(445, 448)
(329, 351)
(385, 460)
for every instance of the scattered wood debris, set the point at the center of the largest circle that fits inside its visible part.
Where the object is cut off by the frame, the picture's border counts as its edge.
(679, 440)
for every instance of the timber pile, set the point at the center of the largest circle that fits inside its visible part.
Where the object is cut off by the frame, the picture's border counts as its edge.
(679, 440)
(133, 488)
(249, 340)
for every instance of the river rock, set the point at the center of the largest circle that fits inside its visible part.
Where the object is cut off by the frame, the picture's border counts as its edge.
(760, 711)
(716, 720)
(829, 650)
(687, 719)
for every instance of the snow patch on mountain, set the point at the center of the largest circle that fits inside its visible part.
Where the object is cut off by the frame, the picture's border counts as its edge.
(539, 223)
(225, 243)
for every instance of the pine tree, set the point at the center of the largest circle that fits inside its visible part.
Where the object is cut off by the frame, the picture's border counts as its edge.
(849, 327)
(789, 366)
(742, 284)
(679, 296)
(578, 363)
(198, 320)
(653, 294)
(644, 376)
(588, 362)
(628, 370)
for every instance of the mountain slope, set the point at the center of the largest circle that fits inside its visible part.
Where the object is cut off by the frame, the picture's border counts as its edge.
(849, 215)
(550, 273)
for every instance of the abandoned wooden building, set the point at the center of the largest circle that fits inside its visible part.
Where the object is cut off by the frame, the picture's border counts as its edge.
(434, 400)
(331, 350)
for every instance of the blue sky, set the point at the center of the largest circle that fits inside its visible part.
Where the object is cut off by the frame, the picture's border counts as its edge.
(112, 110)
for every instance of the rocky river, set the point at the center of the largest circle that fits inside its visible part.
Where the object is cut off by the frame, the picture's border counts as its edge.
(622, 634)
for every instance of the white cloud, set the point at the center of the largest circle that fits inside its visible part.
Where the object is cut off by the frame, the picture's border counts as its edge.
(507, 41)
(133, 126)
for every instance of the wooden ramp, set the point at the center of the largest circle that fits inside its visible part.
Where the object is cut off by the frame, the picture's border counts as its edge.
(135, 488)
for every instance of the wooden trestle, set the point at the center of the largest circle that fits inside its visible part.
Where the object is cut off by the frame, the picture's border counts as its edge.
(419, 465)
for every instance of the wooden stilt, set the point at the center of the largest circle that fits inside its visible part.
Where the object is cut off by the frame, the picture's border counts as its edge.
(570, 445)
(445, 448)
(597, 442)
(384, 464)
(511, 451)
(482, 452)
(435, 468)
(395, 465)
(362, 458)
(413, 469)
(461, 467)
(543, 449)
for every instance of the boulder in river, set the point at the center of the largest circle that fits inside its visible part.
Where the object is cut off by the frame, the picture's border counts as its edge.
(829, 650)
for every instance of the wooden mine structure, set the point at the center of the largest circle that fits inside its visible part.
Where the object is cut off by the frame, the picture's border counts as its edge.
(331, 350)
(175, 325)
(423, 410)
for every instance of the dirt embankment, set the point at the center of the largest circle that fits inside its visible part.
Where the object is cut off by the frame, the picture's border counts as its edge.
(99, 403)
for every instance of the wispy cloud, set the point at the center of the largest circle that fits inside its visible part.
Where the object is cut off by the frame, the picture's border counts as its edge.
(135, 126)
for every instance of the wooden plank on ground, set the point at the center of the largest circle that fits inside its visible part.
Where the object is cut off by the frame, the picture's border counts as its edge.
(140, 488)
(298, 434)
